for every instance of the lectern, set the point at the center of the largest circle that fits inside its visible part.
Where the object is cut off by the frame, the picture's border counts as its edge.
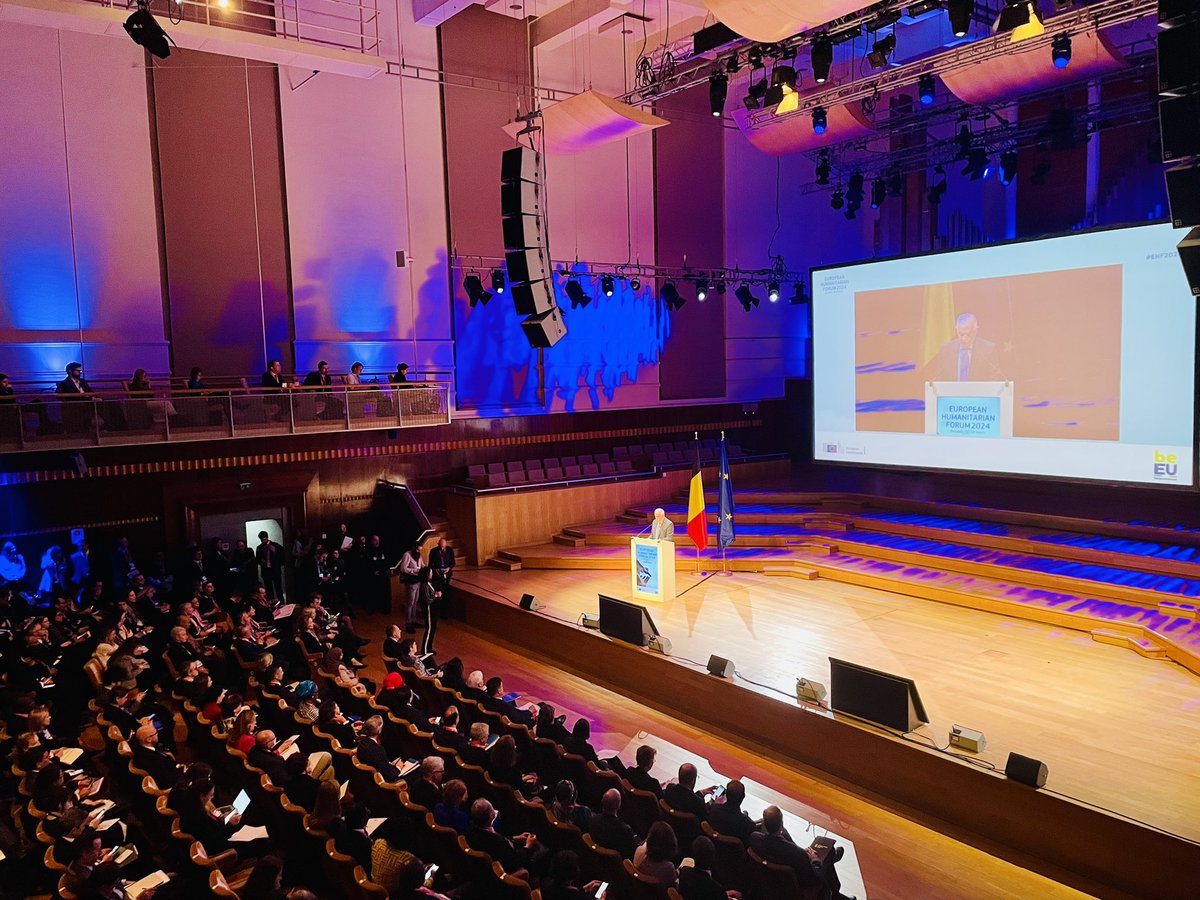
(652, 569)
(969, 408)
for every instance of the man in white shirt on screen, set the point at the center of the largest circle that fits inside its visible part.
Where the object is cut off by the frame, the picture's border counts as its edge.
(662, 529)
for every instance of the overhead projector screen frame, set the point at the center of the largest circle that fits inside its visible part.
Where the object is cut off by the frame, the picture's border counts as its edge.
(1193, 456)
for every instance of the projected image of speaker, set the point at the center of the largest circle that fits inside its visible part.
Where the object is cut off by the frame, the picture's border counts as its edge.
(545, 330)
(626, 621)
(888, 700)
(1026, 770)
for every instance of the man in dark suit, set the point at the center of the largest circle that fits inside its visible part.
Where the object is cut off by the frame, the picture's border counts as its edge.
(118, 711)
(774, 845)
(302, 787)
(331, 407)
(696, 881)
(152, 760)
(496, 703)
(370, 750)
(682, 795)
(726, 815)
(481, 835)
(425, 785)
(269, 556)
(967, 357)
(639, 776)
(442, 562)
(272, 379)
(607, 829)
(264, 755)
(74, 383)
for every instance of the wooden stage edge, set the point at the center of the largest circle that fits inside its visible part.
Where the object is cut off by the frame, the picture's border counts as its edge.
(1076, 845)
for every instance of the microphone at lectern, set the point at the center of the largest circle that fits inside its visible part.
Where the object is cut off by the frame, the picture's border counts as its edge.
(644, 530)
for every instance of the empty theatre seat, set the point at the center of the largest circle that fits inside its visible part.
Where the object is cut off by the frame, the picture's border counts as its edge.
(607, 468)
(476, 476)
(516, 476)
(569, 461)
(624, 465)
(515, 467)
(497, 479)
(554, 473)
(551, 462)
(602, 458)
(636, 449)
(659, 459)
(590, 470)
(572, 472)
(586, 459)
(535, 476)
(495, 468)
(620, 452)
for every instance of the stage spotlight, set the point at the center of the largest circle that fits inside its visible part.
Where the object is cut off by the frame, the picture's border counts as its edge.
(1060, 51)
(721, 288)
(754, 56)
(755, 94)
(671, 297)
(145, 31)
(635, 284)
(497, 281)
(798, 295)
(475, 292)
(575, 292)
(837, 199)
(745, 297)
(960, 13)
(773, 291)
(878, 57)
(606, 285)
(1008, 167)
(852, 210)
(823, 168)
(718, 90)
(820, 119)
(963, 140)
(878, 192)
(896, 184)
(978, 166)
(782, 94)
(854, 192)
(733, 66)
(938, 189)
(927, 89)
(1020, 19)
(822, 58)
(701, 290)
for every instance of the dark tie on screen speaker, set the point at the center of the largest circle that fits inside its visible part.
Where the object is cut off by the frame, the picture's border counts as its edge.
(526, 250)
(530, 602)
(720, 666)
(1026, 770)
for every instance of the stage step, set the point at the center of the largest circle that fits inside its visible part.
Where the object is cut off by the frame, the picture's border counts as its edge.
(1179, 608)
(508, 565)
(627, 518)
(1140, 645)
(567, 539)
(824, 548)
(792, 570)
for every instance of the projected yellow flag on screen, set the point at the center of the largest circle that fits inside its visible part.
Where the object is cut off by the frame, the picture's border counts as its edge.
(937, 320)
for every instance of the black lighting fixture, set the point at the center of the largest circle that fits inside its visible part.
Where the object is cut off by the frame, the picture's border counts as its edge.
(671, 297)
(895, 183)
(754, 57)
(837, 199)
(607, 285)
(635, 284)
(822, 58)
(978, 166)
(575, 293)
(782, 93)
(721, 288)
(854, 191)
(145, 31)
(1020, 20)
(1008, 167)
(878, 57)
(701, 289)
(1060, 51)
(878, 192)
(718, 90)
(937, 190)
(927, 89)
(746, 297)
(963, 140)
(734, 65)
(823, 168)
(497, 281)
(475, 291)
(773, 291)
(820, 120)
(798, 295)
(960, 13)
(754, 95)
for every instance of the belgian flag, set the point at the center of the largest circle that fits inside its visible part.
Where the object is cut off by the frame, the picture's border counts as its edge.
(697, 515)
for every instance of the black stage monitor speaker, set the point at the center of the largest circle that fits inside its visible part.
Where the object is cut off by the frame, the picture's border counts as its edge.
(626, 621)
(1178, 64)
(518, 164)
(527, 265)
(1183, 193)
(720, 666)
(1189, 256)
(1026, 770)
(890, 700)
(1179, 120)
(545, 330)
(534, 298)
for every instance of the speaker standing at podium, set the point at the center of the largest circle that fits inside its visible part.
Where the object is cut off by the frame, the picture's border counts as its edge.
(966, 357)
(662, 529)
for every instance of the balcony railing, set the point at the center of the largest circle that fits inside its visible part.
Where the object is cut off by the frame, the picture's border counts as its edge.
(107, 419)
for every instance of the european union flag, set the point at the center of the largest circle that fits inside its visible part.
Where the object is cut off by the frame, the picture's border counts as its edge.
(725, 534)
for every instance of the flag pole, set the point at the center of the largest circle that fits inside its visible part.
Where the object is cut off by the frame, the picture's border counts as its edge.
(721, 475)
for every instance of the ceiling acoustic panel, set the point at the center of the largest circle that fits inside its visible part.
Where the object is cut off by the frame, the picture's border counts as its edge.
(767, 21)
(794, 133)
(588, 120)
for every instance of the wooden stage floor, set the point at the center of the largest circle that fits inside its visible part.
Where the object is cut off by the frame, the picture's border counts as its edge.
(1115, 730)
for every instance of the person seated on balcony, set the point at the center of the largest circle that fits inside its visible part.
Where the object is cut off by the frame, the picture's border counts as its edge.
(331, 407)
(139, 384)
(401, 376)
(141, 389)
(6, 388)
(272, 379)
(74, 383)
(354, 379)
(196, 379)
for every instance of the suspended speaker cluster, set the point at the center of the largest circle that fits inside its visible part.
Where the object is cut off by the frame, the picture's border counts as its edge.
(526, 248)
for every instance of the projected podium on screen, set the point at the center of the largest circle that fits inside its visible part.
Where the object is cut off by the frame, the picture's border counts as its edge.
(889, 700)
(969, 408)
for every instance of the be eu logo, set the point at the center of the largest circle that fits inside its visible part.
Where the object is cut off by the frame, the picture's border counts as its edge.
(1166, 466)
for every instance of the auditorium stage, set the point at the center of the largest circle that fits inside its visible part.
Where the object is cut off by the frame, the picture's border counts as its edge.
(1115, 729)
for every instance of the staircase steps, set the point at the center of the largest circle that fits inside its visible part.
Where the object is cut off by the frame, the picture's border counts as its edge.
(792, 570)
(1142, 646)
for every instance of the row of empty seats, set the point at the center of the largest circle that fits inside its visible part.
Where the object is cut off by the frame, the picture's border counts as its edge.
(623, 461)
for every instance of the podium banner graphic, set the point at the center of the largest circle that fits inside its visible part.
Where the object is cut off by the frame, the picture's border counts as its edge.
(646, 560)
(968, 416)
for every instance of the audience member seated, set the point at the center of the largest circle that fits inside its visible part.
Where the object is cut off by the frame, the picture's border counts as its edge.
(446, 733)
(400, 873)
(157, 763)
(496, 703)
(302, 786)
(331, 721)
(345, 677)
(350, 833)
(655, 856)
(425, 784)
(566, 809)
(516, 855)
(265, 755)
(474, 752)
(561, 881)
(401, 702)
(241, 734)
(608, 830)
(452, 810)
(775, 845)
(696, 881)
(550, 727)
(503, 768)
(264, 881)
(579, 742)
(639, 776)
(370, 750)
(682, 795)
(725, 815)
